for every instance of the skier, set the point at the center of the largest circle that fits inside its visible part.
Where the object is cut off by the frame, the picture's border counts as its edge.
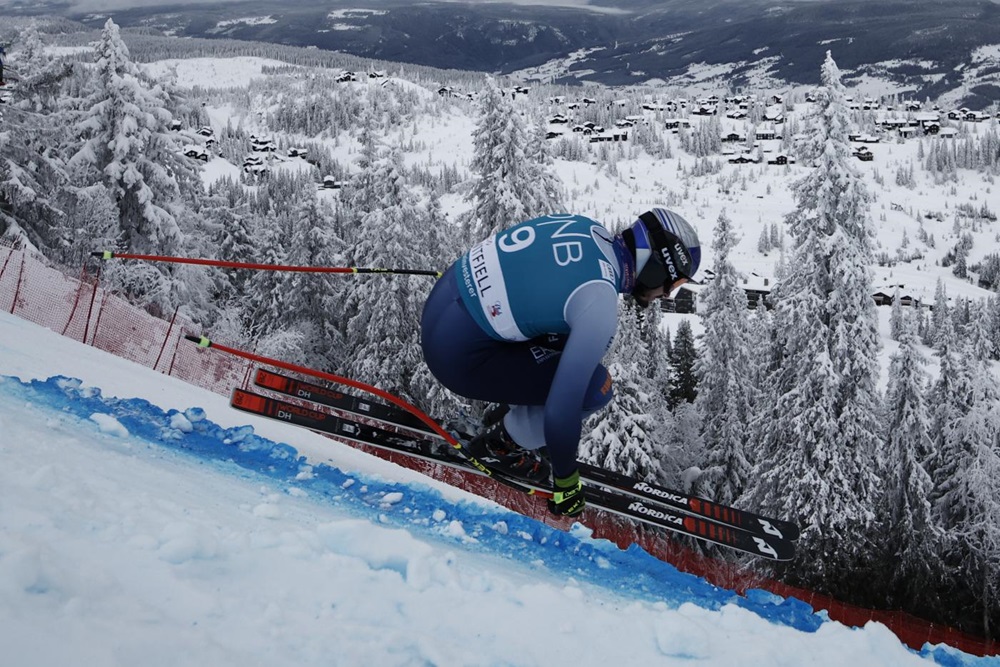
(523, 320)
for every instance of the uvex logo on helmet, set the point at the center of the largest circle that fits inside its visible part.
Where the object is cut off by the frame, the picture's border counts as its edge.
(681, 253)
(668, 261)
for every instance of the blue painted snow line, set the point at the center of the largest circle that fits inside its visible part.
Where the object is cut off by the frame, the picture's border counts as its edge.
(414, 507)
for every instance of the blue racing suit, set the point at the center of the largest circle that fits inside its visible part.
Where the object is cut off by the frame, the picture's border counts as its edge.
(524, 318)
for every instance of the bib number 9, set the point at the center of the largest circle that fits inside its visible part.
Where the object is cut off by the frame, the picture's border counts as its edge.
(519, 239)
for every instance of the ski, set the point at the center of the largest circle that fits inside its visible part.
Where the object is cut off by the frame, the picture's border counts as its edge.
(611, 500)
(741, 519)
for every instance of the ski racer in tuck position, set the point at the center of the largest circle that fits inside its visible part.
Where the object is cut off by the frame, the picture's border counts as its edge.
(523, 320)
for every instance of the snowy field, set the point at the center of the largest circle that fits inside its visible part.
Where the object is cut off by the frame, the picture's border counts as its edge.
(143, 521)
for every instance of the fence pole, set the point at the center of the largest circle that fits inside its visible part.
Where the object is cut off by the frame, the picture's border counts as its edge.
(166, 338)
(17, 288)
(90, 308)
(76, 301)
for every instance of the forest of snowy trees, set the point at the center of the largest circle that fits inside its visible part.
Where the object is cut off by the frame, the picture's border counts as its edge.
(897, 489)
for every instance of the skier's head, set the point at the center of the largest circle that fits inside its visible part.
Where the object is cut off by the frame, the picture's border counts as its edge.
(667, 252)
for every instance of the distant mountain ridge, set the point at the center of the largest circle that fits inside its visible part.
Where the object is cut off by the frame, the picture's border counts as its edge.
(926, 48)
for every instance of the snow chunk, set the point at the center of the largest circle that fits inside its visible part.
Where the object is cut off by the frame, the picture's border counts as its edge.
(392, 498)
(457, 530)
(180, 422)
(110, 425)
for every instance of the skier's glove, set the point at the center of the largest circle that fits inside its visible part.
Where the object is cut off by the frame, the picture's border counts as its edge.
(567, 497)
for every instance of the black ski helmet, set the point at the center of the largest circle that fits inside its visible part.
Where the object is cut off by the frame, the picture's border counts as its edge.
(666, 249)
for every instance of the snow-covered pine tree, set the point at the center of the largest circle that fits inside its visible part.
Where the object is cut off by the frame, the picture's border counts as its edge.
(31, 173)
(510, 183)
(265, 290)
(939, 313)
(308, 298)
(622, 438)
(128, 146)
(911, 550)
(992, 326)
(440, 242)
(227, 210)
(683, 357)
(967, 491)
(658, 368)
(898, 323)
(977, 330)
(383, 322)
(820, 443)
(764, 241)
(363, 193)
(548, 192)
(948, 400)
(724, 376)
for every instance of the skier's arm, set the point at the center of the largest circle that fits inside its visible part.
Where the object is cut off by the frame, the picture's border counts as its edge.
(592, 314)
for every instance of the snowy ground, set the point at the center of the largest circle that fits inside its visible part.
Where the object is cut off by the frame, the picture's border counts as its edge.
(143, 521)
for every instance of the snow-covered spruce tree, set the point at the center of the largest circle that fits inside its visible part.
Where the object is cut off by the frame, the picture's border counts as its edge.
(548, 192)
(226, 210)
(382, 322)
(898, 323)
(508, 186)
(992, 326)
(309, 296)
(31, 173)
(967, 499)
(440, 245)
(265, 290)
(818, 461)
(129, 148)
(658, 368)
(724, 376)
(977, 330)
(622, 438)
(949, 400)
(363, 192)
(937, 330)
(683, 357)
(911, 550)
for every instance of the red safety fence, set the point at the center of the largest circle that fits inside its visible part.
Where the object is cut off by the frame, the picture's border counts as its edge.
(81, 309)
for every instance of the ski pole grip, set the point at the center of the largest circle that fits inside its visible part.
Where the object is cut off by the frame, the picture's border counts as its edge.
(201, 340)
(102, 254)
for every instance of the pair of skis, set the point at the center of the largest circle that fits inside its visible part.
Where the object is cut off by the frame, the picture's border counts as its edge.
(608, 490)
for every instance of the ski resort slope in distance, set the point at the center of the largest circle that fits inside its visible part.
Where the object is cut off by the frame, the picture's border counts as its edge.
(144, 521)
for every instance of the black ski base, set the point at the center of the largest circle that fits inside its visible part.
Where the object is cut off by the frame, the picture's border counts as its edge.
(599, 494)
(740, 519)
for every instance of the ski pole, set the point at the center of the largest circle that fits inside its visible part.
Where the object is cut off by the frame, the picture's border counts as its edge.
(108, 254)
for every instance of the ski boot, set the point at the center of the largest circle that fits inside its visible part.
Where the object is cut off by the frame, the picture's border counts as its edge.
(496, 450)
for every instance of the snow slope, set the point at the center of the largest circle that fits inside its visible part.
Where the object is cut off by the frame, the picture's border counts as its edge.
(144, 521)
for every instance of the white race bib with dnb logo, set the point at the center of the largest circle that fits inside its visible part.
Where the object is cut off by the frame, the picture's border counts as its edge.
(492, 290)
